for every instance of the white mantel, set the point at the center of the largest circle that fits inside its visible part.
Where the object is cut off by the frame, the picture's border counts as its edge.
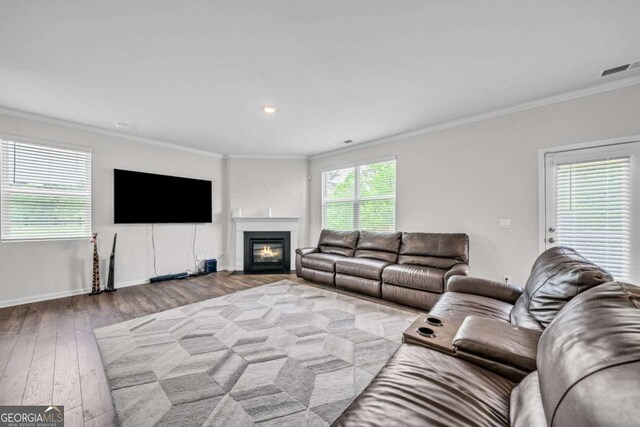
(243, 223)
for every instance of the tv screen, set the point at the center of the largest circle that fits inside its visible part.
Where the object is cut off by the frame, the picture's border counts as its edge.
(146, 198)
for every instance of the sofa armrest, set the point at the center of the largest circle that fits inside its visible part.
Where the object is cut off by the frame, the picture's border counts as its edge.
(461, 269)
(498, 341)
(486, 288)
(306, 251)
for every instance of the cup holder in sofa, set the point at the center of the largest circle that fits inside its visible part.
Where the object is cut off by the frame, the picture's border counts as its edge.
(434, 321)
(426, 332)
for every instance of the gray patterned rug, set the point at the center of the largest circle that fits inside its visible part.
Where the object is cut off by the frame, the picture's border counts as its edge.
(282, 354)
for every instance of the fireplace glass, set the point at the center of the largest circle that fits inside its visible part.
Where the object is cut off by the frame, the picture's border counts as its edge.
(267, 253)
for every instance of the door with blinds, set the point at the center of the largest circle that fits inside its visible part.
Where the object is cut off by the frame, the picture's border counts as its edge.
(591, 205)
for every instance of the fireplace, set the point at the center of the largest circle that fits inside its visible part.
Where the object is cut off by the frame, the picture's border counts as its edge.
(267, 252)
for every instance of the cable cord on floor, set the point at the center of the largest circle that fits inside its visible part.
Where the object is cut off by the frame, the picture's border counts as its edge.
(153, 245)
(193, 247)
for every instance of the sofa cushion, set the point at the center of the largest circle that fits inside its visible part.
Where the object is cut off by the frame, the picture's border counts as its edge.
(378, 245)
(558, 275)
(457, 306)
(338, 242)
(520, 316)
(324, 262)
(438, 250)
(361, 267)
(415, 277)
(589, 359)
(526, 408)
(423, 387)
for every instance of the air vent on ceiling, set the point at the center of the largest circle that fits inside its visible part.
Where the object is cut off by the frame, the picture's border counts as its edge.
(348, 141)
(615, 70)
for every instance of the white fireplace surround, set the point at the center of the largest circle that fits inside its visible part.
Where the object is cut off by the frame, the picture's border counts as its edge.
(291, 224)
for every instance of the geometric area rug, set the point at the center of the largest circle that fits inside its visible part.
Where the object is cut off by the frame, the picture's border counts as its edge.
(283, 354)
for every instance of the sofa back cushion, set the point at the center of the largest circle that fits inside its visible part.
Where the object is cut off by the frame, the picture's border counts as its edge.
(338, 242)
(558, 275)
(437, 250)
(589, 359)
(378, 245)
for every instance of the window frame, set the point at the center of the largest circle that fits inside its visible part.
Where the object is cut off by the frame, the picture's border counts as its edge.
(47, 144)
(356, 200)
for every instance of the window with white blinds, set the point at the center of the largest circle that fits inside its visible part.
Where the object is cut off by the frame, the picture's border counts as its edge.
(360, 197)
(593, 211)
(45, 192)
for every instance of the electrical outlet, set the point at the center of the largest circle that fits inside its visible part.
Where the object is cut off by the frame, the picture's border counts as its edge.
(505, 223)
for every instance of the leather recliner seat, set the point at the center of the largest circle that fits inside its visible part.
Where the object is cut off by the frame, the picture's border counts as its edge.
(557, 275)
(319, 264)
(407, 268)
(588, 374)
(363, 273)
(426, 261)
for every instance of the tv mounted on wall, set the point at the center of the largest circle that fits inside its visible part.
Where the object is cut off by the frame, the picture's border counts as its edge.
(146, 198)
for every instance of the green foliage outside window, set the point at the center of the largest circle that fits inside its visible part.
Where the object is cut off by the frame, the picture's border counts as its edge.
(372, 208)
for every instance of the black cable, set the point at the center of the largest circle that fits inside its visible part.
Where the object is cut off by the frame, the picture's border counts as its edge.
(193, 247)
(153, 245)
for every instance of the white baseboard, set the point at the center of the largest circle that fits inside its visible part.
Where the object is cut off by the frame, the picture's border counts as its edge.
(72, 292)
(62, 294)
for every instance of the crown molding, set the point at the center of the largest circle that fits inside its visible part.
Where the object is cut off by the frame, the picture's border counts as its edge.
(77, 126)
(266, 157)
(542, 102)
(580, 93)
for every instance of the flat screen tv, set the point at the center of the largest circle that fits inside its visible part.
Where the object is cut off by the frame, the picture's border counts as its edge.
(146, 198)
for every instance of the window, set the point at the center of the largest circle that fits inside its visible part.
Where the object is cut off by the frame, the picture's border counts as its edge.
(360, 197)
(45, 192)
(591, 208)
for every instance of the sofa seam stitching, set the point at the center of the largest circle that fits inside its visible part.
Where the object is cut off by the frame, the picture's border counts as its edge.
(566, 392)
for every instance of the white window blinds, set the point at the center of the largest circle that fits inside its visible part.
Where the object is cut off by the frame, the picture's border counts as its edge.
(45, 192)
(360, 197)
(593, 211)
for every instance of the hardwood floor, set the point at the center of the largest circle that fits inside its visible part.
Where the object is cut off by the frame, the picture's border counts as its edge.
(48, 354)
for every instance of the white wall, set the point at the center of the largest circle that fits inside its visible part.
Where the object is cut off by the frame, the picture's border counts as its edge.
(460, 179)
(256, 184)
(465, 179)
(33, 270)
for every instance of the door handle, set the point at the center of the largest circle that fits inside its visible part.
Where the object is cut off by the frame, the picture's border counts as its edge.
(551, 240)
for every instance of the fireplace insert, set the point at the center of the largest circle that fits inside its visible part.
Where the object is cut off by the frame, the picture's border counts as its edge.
(267, 252)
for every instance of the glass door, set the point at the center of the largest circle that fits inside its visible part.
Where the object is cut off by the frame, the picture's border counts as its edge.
(591, 205)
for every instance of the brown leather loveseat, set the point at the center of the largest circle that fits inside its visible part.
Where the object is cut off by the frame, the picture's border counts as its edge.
(407, 268)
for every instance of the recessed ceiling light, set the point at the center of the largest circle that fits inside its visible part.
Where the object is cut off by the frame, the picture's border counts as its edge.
(120, 125)
(269, 109)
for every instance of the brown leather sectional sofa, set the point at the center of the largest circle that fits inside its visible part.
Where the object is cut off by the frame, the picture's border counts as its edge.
(563, 351)
(406, 268)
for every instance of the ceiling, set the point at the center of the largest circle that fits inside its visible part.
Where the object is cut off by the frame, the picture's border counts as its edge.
(197, 72)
